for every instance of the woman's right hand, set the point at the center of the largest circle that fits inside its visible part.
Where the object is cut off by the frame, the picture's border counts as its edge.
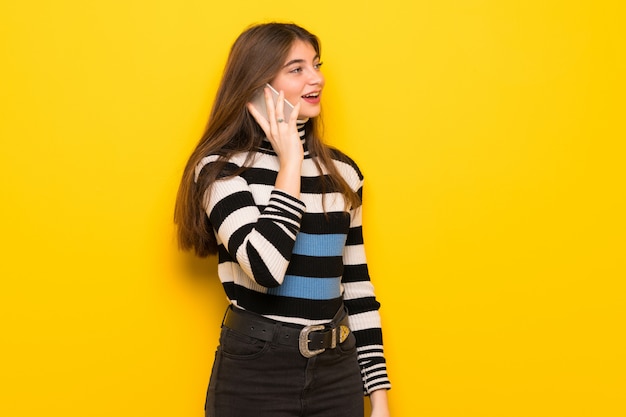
(282, 134)
(284, 137)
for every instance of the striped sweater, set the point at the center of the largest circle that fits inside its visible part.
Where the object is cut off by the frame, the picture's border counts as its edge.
(296, 260)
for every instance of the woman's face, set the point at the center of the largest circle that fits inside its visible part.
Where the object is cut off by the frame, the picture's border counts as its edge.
(301, 80)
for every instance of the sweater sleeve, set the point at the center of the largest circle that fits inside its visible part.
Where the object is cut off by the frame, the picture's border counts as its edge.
(363, 307)
(260, 240)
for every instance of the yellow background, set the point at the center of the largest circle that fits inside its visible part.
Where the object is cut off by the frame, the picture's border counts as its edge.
(491, 136)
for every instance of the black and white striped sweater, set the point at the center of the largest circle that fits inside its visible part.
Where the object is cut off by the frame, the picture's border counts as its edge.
(289, 259)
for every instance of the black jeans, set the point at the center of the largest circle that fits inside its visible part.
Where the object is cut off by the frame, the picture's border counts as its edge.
(253, 378)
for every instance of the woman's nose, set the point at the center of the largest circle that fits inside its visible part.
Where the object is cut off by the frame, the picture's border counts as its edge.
(316, 78)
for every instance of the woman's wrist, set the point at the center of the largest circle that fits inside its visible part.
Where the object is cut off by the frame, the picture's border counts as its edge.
(288, 178)
(378, 400)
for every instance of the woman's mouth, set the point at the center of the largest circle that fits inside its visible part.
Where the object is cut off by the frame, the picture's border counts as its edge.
(312, 98)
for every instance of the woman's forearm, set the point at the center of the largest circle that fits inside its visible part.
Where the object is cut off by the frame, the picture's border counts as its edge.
(380, 406)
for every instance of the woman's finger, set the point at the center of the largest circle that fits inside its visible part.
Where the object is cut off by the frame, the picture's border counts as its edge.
(293, 117)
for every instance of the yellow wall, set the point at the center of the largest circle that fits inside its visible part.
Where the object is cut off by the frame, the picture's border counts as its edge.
(490, 138)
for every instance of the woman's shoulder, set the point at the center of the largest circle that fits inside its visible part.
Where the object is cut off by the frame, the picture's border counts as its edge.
(225, 164)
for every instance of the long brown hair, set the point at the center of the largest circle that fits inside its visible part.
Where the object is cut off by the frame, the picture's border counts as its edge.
(254, 60)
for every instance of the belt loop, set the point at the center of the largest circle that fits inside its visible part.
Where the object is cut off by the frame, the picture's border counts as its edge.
(226, 313)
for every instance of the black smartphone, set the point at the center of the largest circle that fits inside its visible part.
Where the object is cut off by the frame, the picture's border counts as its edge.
(259, 103)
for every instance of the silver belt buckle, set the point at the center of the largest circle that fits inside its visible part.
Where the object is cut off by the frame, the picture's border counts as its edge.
(303, 341)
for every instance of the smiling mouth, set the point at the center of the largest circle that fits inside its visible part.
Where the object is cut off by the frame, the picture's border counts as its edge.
(312, 95)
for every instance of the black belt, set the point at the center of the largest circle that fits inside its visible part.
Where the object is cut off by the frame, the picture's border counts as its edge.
(311, 340)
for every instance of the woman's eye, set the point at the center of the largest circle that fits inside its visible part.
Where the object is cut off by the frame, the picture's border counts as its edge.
(297, 69)
(318, 65)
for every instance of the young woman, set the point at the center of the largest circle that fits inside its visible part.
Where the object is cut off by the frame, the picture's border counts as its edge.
(282, 211)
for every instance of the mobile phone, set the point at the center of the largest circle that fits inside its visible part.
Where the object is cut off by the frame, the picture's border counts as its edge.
(259, 103)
